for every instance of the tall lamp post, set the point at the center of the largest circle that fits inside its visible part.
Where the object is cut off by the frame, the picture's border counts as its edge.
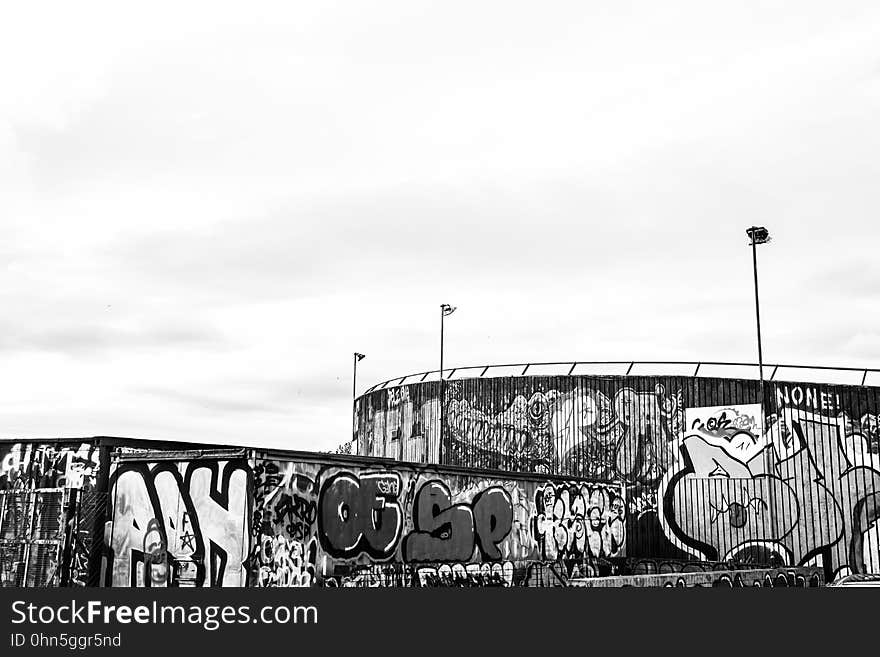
(357, 357)
(445, 309)
(758, 235)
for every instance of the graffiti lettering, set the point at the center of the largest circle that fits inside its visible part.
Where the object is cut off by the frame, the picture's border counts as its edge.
(360, 514)
(169, 514)
(578, 521)
(286, 563)
(37, 465)
(467, 575)
(444, 531)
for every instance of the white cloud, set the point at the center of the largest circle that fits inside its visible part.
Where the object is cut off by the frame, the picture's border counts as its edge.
(206, 209)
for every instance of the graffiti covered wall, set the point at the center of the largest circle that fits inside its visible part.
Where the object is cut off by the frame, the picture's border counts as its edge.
(419, 526)
(281, 522)
(732, 579)
(610, 429)
(401, 423)
(541, 479)
(806, 490)
(707, 475)
(37, 467)
(31, 465)
(183, 521)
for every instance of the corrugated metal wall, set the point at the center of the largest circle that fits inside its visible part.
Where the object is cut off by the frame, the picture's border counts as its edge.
(708, 475)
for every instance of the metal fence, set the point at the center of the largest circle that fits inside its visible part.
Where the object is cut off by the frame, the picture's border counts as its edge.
(86, 538)
(733, 369)
(32, 525)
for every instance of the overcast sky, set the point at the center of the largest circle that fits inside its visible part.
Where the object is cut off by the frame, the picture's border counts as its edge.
(205, 209)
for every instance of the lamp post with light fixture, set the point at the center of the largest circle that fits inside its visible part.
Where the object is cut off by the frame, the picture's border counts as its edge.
(445, 309)
(758, 235)
(357, 357)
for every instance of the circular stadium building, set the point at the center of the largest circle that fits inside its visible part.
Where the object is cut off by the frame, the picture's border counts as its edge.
(715, 465)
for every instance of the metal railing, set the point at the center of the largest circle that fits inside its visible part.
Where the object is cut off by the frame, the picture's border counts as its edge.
(32, 524)
(488, 371)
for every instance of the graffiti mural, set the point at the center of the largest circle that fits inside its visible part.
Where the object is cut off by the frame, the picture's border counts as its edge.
(47, 465)
(443, 531)
(579, 521)
(584, 432)
(579, 477)
(519, 434)
(401, 425)
(624, 430)
(287, 523)
(361, 514)
(367, 520)
(444, 575)
(710, 473)
(285, 547)
(285, 562)
(752, 578)
(467, 575)
(188, 517)
(806, 491)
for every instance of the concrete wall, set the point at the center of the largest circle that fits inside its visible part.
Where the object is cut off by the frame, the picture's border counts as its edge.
(707, 475)
(237, 519)
(757, 577)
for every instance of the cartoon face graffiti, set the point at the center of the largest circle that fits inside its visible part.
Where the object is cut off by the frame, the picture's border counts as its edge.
(625, 437)
(727, 501)
(730, 505)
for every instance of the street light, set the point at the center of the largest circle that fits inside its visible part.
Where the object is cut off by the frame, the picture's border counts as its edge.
(354, 378)
(445, 309)
(357, 357)
(758, 235)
